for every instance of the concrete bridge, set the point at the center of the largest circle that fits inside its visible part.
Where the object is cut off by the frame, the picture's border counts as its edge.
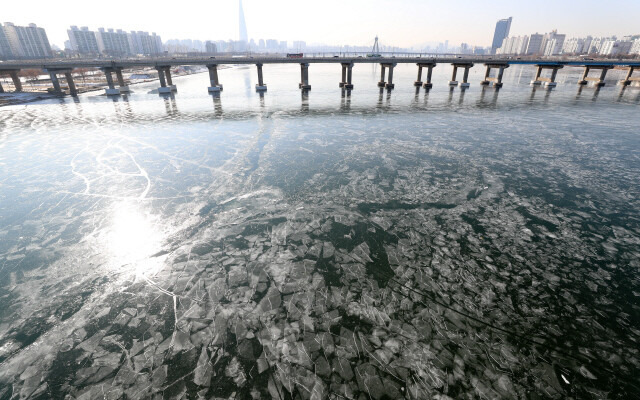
(461, 64)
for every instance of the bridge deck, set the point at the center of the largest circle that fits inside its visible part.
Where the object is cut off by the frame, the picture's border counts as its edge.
(179, 61)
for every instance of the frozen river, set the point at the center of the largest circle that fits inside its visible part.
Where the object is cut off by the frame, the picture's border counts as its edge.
(450, 245)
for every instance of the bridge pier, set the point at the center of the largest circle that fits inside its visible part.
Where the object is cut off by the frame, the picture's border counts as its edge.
(167, 71)
(56, 83)
(418, 82)
(453, 81)
(16, 80)
(536, 80)
(260, 86)
(123, 88)
(348, 84)
(215, 87)
(427, 84)
(388, 84)
(497, 81)
(304, 77)
(111, 90)
(465, 78)
(383, 70)
(344, 75)
(597, 81)
(549, 82)
(72, 86)
(163, 89)
(585, 75)
(629, 78)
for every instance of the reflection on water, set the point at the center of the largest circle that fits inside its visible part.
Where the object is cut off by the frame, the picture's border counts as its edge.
(478, 243)
(132, 236)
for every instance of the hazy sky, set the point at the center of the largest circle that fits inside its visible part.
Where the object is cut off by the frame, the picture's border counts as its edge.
(402, 23)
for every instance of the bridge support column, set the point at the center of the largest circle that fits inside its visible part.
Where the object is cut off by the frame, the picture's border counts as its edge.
(111, 89)
(597, 81)
(383, 70)
(428, 84)
(536, 80)
(500, 75)
(552, 82)
(1, 88)
(465, 77)
(167, 71)
(418, 82)
(390, 84)
(56, 83)
(213, 79)
(453, 81)
(486, 76)
(549, 82)
(497, 81)
(260, 86)
(123, 88)
(344, 76)
(629, 78)
(16, 81)
(72, 86)
(585, 75)
(304, 77)
(349, 85)
(603, 75)
(163, 89)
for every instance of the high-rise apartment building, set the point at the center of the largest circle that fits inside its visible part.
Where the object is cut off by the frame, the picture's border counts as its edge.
(613, 47)
(635, 47)
(577, 45)
(299, 45)
(514, 45)
(113, 43)
(503, 27)
(83, 41)
(272, 44)
(535, 44)
(27, 41)
(211, 47)
(5, 48)
(552, 43)
(144, 43)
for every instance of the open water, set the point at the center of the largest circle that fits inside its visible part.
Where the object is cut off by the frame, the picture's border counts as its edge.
(453, 244)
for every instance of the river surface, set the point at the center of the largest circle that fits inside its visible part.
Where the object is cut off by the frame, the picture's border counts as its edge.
(450, 245)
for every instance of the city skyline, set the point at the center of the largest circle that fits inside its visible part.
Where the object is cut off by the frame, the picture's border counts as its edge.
(402, 24)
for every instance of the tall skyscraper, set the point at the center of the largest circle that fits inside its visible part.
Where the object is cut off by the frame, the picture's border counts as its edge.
(503, 27)
(243, 36)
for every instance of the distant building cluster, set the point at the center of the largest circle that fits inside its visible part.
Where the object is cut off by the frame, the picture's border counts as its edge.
(110, 42)
(230, 46)
(554, 44)
(29, 42)
(548, 44)
(605, 46)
